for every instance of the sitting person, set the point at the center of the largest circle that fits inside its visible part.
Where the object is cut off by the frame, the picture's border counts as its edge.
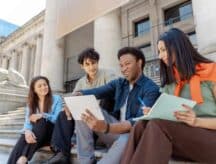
(113, 131)
(42, 111)
(95, 77)
(184, 73)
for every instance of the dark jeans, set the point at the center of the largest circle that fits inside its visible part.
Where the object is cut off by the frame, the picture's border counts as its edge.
(62, 133)
(43, 131)
(59, 136)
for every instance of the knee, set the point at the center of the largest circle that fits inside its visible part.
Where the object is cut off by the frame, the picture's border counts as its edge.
(158, 123)
(62, 115)
(40, 123)
(40, 128)
(139, 124)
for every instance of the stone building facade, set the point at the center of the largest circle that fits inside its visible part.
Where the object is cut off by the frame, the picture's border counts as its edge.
(33, 49)
(22, 49)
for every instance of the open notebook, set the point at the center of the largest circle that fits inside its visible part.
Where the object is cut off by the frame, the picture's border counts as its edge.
(78, 104)
(165, 106)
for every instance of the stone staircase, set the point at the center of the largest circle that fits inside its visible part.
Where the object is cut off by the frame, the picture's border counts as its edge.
(11, 123)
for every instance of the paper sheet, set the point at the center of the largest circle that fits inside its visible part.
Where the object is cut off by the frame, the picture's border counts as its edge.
(165, 106)
(78, 104)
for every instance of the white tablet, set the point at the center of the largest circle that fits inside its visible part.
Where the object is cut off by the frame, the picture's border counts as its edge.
(78, 104)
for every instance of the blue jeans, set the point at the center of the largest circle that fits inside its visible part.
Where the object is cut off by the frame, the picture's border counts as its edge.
(85, 143)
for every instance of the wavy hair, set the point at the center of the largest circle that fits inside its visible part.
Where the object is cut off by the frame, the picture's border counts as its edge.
(33, 99)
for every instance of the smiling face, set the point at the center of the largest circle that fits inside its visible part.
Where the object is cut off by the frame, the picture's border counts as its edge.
(41, 88)
(90, 66)
(163, 53)
(130, 67)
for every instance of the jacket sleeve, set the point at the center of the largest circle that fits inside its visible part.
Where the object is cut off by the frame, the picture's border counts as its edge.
(149, 97)
(56, 109)
(27, 123)
(105, 91)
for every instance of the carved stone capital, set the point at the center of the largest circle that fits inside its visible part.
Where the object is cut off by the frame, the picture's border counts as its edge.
(25, 44)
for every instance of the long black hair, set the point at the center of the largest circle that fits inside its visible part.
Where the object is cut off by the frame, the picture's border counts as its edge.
(186, 56)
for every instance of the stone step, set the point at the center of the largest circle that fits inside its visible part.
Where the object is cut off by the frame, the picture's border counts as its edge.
(18, 110)
(6, 146)
(12, 115)
(11, 125)
(4, 158)
(12, 119)
(8, 121)
(13, 134)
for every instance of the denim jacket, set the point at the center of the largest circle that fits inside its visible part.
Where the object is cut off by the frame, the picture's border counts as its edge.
(119, 88)
(51, 116)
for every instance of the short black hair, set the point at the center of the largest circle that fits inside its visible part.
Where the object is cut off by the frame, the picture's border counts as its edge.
(137, 53)
(88, 53)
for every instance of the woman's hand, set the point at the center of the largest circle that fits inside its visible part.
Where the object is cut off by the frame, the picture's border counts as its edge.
(30, 137)
(67, 112)
(146, 110)
(189, 116)
(35, 117)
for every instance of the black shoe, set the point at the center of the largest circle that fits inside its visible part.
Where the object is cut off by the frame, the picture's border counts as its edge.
(59, 158)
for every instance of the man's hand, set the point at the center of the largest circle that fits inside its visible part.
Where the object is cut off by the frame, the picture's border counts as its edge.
(188, 116)
(93, 123)
(77, 93)
(35, 117)
(30, 137)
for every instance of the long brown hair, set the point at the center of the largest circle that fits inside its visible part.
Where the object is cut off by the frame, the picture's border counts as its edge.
(33, 99)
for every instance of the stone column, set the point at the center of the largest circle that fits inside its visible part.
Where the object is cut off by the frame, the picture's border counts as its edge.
(205, 16)
(52, 60)
(4, 62)
(154, 26)
(107, 39)
(19, 56)
(37, 63)
(25, 61)
(13, 62)
(31, 62)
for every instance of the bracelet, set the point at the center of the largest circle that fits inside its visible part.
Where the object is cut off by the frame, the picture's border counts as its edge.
(107, 128)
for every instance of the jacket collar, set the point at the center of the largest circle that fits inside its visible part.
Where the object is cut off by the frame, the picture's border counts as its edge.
(139, 82)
